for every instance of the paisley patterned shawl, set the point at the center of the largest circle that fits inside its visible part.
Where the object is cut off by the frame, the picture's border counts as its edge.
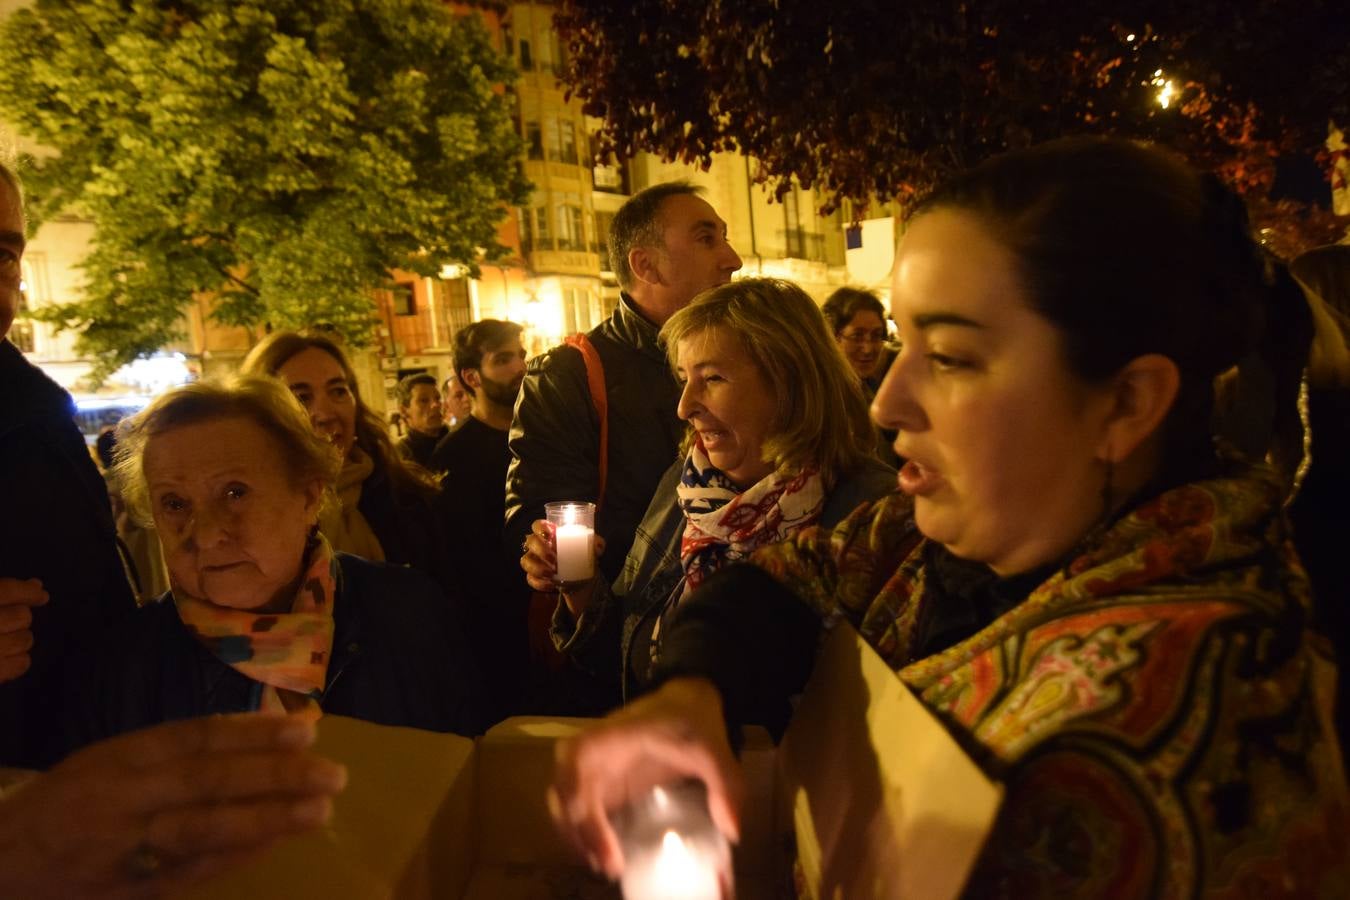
(1157, 709)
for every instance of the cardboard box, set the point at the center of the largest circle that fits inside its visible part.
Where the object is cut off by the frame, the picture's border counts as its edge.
(881, 799)
(866, 782)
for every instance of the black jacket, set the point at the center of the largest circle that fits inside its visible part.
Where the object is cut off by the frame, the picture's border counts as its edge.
(56, 525)
(555, 437)
(400, 657)
(418, 447)
(412, 530)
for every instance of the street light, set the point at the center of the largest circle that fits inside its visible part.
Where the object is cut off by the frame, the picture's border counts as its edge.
(1166, 89)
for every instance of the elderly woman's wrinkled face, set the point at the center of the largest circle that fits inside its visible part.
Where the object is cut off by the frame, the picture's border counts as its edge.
(232, 520)
(318, 382)
(1003, 440)
(862, 340)
(729, 403)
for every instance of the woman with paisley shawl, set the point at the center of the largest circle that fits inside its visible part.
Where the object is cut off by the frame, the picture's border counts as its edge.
(1097, 598)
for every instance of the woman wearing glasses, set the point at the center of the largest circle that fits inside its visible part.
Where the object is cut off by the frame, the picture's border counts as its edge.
(858, 321)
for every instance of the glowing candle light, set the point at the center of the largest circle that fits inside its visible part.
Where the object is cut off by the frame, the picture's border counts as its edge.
(573, 539)
(672, 850)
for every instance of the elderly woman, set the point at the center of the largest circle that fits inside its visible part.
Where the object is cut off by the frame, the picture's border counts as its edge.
(263, 614)
(386, 509)
(1129, 654)
(779, 440)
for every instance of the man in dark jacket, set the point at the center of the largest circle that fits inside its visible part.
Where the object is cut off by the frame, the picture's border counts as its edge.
(62, 584)
(666, 245)
(419, 402)
(490, 363)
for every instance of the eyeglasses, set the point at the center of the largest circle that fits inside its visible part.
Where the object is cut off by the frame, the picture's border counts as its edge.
(857, 338)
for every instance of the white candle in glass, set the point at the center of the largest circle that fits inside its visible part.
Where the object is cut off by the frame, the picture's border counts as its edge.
(574, 544)
(676, 871)
(671, 848)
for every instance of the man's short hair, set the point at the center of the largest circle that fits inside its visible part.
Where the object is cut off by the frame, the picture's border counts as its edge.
(477, 339)
(638, 224)
(409, 382)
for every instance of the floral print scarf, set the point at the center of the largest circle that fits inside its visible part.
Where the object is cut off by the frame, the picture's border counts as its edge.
(724, 523)
(287, 652)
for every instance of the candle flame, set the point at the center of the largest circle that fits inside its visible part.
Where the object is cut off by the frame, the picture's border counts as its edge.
(569, 515)
(676, 863)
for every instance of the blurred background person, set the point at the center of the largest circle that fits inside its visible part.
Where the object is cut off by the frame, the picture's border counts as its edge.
(262, 614)
(858, 321)
(386, 510)
(490, 363)
(420, 405)
(456, 402)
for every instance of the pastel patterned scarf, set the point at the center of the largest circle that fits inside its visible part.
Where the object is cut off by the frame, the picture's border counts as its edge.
(287, 652)
(724, 524)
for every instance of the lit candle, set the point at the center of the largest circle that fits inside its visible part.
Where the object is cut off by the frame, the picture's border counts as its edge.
(573, 539)
(677, 871)
(671, 848)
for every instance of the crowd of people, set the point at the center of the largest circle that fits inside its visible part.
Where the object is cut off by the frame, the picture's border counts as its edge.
(1074, 486)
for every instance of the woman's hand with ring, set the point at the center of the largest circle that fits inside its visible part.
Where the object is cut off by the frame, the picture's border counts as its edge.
(538, 558)
(148, 813)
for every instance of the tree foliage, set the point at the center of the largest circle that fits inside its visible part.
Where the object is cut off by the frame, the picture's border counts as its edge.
(881, 98)
(279, 155)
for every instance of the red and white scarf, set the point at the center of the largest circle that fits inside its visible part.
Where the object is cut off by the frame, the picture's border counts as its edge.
(287, 652)
(724, 524)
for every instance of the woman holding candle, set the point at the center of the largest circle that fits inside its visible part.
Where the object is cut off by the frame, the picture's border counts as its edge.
(1134, 662)
(779, 441)
(263, 614)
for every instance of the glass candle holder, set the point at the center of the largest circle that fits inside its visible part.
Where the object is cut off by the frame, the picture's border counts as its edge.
(573, 526)
(671, 848)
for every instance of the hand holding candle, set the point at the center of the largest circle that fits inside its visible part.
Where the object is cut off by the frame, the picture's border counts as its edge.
(573, 526)
(672, 849)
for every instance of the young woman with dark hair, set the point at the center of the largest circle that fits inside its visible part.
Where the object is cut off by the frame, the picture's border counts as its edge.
(1099, 600)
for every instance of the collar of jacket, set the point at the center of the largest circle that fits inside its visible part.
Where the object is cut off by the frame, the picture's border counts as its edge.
(633, 329)
(220, 675)
(28, 392)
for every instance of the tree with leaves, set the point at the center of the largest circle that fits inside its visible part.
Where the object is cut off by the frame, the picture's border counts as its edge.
(874, 98)
(278, 156)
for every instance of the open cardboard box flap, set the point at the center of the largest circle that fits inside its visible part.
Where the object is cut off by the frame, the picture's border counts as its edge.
(880, 799)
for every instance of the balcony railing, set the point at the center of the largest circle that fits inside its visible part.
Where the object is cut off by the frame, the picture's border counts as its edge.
(800, 244)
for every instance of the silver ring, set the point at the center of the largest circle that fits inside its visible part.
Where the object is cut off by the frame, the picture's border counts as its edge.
(144, 862)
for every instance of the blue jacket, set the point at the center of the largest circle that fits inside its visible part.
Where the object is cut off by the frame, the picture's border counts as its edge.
(400, 657)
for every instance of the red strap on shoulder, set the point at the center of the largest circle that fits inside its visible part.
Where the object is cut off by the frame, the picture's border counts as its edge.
(595, 380)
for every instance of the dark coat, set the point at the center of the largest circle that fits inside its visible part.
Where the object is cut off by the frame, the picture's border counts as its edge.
(613, 638)
(555, 437)
(412, 530)
(56, 525)
(419, 447)
(400, 657)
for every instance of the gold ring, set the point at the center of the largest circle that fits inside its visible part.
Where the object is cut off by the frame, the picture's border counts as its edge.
(144, 862)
